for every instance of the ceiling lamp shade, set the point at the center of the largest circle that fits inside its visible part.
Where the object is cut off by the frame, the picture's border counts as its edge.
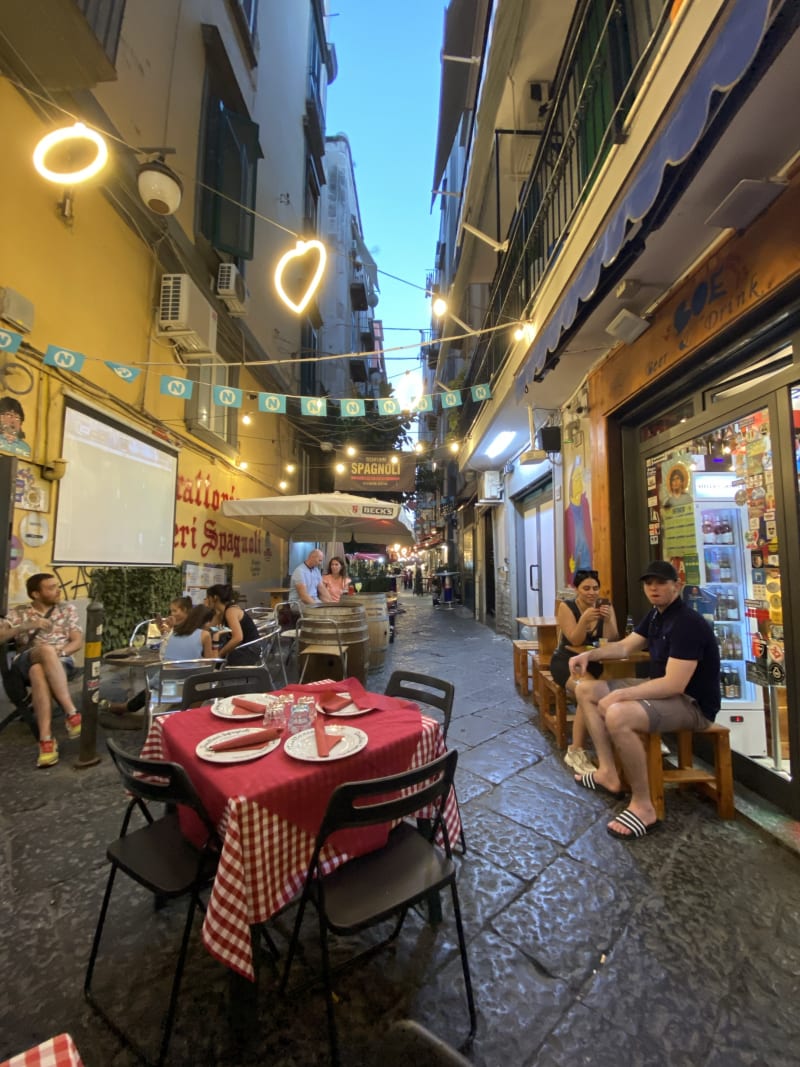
(159, 187)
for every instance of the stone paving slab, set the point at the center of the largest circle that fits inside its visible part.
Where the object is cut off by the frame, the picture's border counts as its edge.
(682, 949)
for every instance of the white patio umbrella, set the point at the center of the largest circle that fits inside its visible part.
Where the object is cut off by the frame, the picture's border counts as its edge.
(325, 517)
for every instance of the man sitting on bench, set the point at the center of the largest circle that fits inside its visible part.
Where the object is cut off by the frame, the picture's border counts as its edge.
(682, 693)
(46, 633)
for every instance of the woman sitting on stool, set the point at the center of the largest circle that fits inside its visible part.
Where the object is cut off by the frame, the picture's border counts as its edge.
(582, 622)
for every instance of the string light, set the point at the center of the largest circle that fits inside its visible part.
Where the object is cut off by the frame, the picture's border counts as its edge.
(290, 468)
(282, 485)
(351, 450)
(246, 420)
(78, 132)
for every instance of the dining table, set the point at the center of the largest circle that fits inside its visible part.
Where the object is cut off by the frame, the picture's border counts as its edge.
(58, 1051)
(268, 809)
(546, 627)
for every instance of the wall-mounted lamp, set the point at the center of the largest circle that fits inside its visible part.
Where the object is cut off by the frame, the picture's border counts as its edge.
(74, 140)
(627, 327)
(160, 188)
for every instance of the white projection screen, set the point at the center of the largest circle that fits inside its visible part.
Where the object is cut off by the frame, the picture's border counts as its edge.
(116, 501)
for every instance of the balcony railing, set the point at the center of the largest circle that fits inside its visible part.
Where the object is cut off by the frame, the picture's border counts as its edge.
(602, 68)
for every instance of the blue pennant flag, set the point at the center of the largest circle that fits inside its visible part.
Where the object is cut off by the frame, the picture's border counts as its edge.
(351, 408)
(64, 358)
(388, 405)
(313, 405)
(226, 397)
(451, 399)
(425, 404)
(481, 392)
(9, 340)
(128, 374)
(272, 402)
(177, 387)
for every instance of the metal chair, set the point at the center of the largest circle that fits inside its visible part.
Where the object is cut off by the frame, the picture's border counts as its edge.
(324, 639)
(263, 646)
(424, 689)
(145, 632)
(200, 689)
(18, 692)
(387, 882)
(165, 684)
(160, 859)
(287, 623)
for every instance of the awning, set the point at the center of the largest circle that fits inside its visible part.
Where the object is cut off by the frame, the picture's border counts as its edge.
(730, 56)
(459, 30)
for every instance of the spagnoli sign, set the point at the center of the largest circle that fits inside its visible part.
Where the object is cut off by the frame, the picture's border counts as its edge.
(377, 472)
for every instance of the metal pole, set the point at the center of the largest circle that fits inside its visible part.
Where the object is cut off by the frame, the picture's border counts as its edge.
(95, 616)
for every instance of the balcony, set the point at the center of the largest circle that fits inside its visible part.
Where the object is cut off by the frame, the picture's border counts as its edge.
(68, 45)
(358, 296)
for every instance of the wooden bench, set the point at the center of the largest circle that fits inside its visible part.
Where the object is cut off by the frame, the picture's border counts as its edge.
(553, 714)
(718, 784)
(521, 665)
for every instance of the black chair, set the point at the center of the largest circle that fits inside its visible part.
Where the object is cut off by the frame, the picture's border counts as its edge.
(387, 882)
(200, 689)
(17, 692)
(158, 857)
(424, 689)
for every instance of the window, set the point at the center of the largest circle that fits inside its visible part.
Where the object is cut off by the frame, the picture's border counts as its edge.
(245, 16)
(229, 156)
(308, 371)
(210, 422)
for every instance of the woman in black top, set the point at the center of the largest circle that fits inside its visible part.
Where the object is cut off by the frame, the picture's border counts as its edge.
(582, 622)
(228, 614)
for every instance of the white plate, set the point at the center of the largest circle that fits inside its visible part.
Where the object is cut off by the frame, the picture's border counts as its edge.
(304, 745)
(349, 711)
(235, 755)
(223, 707)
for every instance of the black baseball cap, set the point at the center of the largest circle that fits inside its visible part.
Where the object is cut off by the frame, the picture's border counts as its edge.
(660, 568)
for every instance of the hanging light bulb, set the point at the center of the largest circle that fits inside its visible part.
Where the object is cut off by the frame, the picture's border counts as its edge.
(246, 420)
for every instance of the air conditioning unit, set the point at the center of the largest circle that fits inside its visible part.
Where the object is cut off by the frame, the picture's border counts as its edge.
(491, 487)
(232, 289)
(535, 101)
(185, 316)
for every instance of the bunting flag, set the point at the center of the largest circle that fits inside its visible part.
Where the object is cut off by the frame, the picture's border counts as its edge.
(10, 340)
(226, 397)
(64, 358)
(128, 374)
(177, 387)
(313, 405)
(272, 402)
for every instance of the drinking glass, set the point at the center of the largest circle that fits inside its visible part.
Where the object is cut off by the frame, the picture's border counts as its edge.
(358, 587)
(276, 712)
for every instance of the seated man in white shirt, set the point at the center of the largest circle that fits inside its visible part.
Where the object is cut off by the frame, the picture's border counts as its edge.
(306, 583)
(46, 633)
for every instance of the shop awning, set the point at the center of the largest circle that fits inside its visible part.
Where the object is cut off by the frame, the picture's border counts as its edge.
(730, 56)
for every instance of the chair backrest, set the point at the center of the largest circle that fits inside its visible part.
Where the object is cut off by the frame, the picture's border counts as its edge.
(165, 680)
(400, 795)
(201, 688)
(158, 781)
(13, 682)
(424, 689)
(317, 630)
(147, 632)
(284, 616)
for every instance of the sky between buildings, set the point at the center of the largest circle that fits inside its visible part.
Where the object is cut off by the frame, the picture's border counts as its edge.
(386, 100)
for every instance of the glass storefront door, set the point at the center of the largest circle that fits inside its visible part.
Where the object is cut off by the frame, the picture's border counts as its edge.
(712, 511)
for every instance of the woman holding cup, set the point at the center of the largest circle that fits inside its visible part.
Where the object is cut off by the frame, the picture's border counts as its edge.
(584, 622)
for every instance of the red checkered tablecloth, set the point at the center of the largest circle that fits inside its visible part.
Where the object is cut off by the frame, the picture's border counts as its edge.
(59, 1051)
(269, 813)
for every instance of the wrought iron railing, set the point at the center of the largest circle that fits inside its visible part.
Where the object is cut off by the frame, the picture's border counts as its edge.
(604, 62)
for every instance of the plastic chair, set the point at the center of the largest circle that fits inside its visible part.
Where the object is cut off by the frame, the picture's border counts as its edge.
(424, 689)
(160, 859)
(387, 882)
(199, 689)
(324, 640)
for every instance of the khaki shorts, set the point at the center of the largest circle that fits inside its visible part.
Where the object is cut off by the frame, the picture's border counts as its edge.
(668, 714)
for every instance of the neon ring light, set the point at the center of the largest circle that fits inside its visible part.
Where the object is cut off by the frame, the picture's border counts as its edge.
(70, 133)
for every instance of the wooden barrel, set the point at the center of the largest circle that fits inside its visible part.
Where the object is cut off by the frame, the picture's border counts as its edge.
(378, 622)
(354, 632)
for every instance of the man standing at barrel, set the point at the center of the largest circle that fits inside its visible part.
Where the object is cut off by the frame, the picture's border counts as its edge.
(306, 583)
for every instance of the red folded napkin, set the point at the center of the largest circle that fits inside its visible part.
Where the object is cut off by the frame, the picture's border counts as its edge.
(252, 739)
(334, 701)
(325, 744)
(247, 705)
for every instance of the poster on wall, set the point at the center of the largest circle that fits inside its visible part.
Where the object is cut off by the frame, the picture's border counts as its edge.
(13, 438)
(197, 577)
(578, 520)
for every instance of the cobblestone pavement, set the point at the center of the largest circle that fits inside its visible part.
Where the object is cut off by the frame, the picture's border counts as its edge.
(683, 949)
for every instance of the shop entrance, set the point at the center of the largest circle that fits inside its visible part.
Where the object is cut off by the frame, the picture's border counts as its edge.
(539, 573)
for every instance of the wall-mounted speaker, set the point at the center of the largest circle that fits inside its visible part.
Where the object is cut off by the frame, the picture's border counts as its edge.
(550, 438)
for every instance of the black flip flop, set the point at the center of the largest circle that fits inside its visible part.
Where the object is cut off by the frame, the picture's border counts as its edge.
(588, 782)
(637, 828)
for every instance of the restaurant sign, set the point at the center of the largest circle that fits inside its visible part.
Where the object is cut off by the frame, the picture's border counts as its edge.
(377, 472)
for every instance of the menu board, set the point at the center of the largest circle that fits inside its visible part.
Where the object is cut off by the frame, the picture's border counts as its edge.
(197, 577)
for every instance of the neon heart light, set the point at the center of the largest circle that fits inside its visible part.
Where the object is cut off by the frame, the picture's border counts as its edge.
(301, 249)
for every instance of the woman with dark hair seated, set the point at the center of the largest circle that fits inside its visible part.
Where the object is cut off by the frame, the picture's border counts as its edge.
(582, 623)
(228, 614)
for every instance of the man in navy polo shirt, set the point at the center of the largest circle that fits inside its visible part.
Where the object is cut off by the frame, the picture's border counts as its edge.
(682, 693)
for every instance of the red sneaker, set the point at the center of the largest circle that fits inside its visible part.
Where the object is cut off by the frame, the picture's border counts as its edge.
(48, 753)
(74, 725)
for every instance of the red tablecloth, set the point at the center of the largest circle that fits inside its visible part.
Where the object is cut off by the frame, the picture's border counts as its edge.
(270, 809)
(59, 1051)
